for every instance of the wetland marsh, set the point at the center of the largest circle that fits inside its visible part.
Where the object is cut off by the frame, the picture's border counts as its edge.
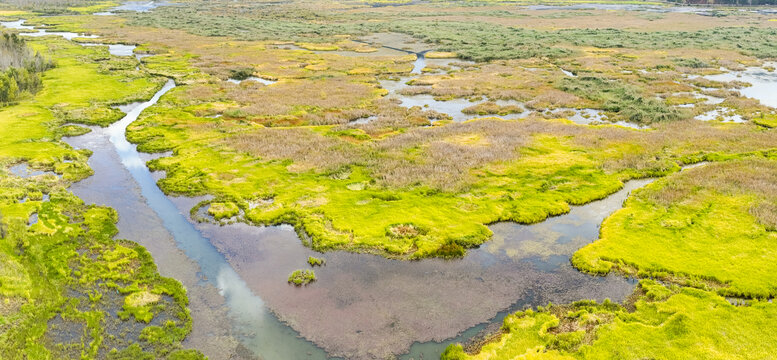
(451, 179)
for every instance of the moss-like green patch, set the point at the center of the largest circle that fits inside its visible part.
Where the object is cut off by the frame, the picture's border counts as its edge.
(314, 261)
(663, 323)
(713, 223)
(302, 277)
(223, 210)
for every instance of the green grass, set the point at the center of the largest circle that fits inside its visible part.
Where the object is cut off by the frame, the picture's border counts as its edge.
(67, 89)
(626, 101)
(710, 223)
(302, 277)
(314, 261)
(676, 323)
(479, 41)
(766, 120)
(338, 214)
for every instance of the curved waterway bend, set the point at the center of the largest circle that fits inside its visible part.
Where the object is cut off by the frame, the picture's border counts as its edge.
(250, 320)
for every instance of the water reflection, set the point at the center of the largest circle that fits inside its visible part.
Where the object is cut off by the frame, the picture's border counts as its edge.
(763, 83)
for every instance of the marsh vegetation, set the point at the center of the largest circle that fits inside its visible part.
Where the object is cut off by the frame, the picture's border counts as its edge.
(400, 131)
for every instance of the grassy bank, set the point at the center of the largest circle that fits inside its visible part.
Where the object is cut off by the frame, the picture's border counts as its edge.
(657, 323)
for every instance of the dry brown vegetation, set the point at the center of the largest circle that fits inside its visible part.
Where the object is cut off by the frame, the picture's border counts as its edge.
(442, 156)
(492, 108)
(756, 177)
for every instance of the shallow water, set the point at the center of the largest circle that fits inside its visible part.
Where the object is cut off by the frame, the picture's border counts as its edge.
(116, 49)
(764, 83)
(253, 78)
(33, 32)
(113, 49)
(722, 114)
(23, 170)
(139, 6)
(452, 107)
(425, 303)
(276, 340)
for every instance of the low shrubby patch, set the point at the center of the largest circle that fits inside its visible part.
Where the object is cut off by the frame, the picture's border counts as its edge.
(302, 277)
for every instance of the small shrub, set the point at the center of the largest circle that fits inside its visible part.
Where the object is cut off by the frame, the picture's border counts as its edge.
(302, 277)
(241, 74)
(314, 261)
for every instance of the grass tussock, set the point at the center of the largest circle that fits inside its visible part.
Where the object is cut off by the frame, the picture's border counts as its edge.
(302, 277)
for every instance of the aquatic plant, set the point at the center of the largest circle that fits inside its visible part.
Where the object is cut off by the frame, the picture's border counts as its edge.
(314, 261)
(302, 277)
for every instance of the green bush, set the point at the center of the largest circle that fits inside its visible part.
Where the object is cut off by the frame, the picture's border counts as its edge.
(302, 277)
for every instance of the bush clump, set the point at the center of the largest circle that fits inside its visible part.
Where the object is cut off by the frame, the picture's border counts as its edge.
(314, 261)
(302, 277)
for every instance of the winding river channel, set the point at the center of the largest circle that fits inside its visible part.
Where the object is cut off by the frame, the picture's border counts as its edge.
(362, 306)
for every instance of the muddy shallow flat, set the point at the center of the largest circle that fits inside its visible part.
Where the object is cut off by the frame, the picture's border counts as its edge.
(368, 307)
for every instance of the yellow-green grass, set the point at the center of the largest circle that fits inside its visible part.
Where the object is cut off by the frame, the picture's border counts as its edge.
(677, 323)
(714, 223)
(334, 187)
(77, 82)
(767, 120)
(93, 7)
(67, 265)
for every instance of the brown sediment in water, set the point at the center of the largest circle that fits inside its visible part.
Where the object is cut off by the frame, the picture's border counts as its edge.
(368, 307)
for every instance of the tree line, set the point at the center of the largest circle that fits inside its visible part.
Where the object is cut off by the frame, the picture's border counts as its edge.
(20, 68)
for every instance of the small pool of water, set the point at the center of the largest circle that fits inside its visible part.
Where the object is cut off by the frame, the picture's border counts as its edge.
(253, 78)
(115, 49)
(23, 170)
(453, 108)
(33, 32)
(33, 219)
(136, 6)
(764, 83)
(722, 114)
